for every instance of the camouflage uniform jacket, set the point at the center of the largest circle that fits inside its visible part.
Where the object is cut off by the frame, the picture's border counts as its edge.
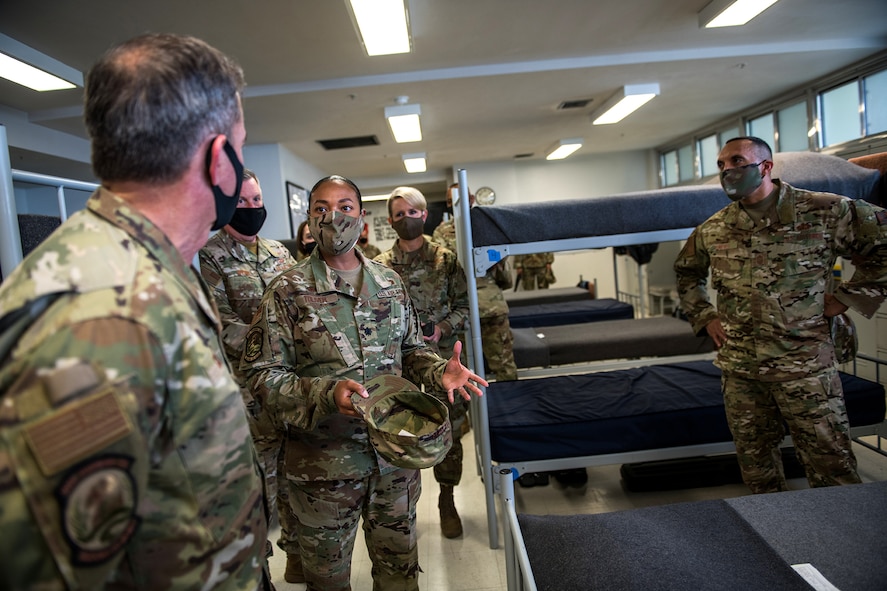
(237, 279)
(436, 283)
(490, 299)
(533, 261)
(313, 330)
(771, 279)
(127, 460)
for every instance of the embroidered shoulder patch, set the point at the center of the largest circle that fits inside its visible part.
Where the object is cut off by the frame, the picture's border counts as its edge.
(98, 501)
(881, 216)
(253, 346)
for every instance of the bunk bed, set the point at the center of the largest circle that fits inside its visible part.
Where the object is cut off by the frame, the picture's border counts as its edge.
(487, 235)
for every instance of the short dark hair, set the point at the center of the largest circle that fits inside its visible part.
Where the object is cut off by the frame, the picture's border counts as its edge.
(763, 148)
(335, 178)
(150, 102)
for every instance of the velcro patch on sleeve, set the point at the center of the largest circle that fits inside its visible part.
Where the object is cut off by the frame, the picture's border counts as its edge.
(77, 431)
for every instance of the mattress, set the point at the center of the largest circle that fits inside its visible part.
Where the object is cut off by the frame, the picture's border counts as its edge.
(642, 408)
(743, 543)
(658, 336)
(546, 296)
(568, 312)
(660, 209)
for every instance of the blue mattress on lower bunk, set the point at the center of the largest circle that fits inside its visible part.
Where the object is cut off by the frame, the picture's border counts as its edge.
(569, 312)
(642, 408)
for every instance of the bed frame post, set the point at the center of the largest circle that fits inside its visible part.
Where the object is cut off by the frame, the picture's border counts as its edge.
(10, 239)
(462, 215)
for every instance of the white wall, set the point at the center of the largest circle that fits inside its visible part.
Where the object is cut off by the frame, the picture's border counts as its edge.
(275, 165)
(578, 177)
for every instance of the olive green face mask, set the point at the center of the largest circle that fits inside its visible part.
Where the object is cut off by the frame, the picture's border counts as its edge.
(740, 182)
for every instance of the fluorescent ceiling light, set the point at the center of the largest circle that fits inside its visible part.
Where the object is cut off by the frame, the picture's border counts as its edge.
(26, 66)
(731, 13)
(404, 123)
(564, 148)
(414, 162)
(382, 25)
(625, 102)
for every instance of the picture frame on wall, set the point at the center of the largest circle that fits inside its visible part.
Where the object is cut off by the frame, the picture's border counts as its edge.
(297, 200)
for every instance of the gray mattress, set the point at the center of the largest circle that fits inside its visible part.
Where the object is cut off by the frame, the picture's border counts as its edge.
(661, 209)
(554, 295)
(659, 336)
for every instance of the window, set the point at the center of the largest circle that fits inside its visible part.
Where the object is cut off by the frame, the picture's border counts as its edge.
(686, 170)
(708, 154)
(670, 168)
(839, 113)
(729, 134)
(792, 126)
(762, 127)
(875, 105)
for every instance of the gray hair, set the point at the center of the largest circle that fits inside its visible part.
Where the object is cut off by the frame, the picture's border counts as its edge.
(150, 102)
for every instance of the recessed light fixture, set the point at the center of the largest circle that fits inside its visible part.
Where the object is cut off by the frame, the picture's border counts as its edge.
(414, 162)
(26, 66)
(731, 13)
(382, 25)
(564, 148)
(630, 98)
(404, 121)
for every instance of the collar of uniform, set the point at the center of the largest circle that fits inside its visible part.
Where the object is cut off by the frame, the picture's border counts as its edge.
(421, 252)
(374, 278)
(239, 251)
(785, 202)
(115, 210)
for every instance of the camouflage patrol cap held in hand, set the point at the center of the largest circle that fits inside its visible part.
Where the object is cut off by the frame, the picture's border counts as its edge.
(407, 427)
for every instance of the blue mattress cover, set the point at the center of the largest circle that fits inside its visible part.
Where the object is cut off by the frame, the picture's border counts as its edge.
(641, 408)
(571, 312)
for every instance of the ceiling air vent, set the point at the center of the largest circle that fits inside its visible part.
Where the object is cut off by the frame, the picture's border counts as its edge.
(526, 155)
(578, 104)
(349, 142)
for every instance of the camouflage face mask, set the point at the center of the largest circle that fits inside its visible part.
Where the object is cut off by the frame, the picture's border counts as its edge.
(335, 232)
(740, 182)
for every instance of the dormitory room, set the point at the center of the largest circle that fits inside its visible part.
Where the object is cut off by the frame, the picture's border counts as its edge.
(388, 295)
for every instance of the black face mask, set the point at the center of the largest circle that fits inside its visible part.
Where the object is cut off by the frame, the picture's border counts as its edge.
(307, 248)
(226, 204)
(248, 220)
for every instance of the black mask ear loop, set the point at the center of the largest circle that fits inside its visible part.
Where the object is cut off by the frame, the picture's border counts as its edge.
(226, 204)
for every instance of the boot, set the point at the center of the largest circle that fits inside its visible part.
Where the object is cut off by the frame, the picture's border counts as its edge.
(294, 572)
(450, 524)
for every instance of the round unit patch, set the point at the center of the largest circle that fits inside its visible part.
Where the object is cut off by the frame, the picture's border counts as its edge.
(98, 501)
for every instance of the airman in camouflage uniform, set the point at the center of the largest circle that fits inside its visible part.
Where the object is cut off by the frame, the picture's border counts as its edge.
(125, 456)
(237, 264)
(437, 286)
(495, 330)
(324, 327)
(534, 270)
(369, 249)
(771, 255)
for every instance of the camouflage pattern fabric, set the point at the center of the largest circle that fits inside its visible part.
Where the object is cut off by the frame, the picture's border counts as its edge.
(370, 250)
(534, 270)
(312, 330)
(498, 345)
(437, 286)
(813, 407)
(125, 454)
(237, 278)
(771, 279)
(391, 525)
(407, 427)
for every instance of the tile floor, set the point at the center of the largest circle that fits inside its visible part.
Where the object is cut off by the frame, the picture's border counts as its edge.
(469, 564)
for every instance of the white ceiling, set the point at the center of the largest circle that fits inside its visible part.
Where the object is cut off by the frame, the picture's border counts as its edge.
(489, 74)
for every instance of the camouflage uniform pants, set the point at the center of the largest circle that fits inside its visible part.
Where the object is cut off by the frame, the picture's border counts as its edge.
(813, 407)
(449, 470)
(498, 345)
(533, 278)
(328, 513)
(289, 537)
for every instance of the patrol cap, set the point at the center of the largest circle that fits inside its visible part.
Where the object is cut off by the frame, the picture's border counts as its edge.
(407, 427)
